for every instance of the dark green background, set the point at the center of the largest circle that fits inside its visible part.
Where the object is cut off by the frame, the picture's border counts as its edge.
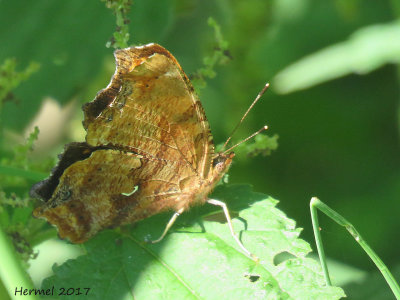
(338, 140)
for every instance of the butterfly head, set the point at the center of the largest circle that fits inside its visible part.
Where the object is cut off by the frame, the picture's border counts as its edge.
(220, 165)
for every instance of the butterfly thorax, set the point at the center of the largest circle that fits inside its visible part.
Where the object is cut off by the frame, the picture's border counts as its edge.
(200, 188)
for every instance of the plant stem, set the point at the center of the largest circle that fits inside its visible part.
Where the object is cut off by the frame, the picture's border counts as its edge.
(318, 239)
(12, 273)
(315, 204)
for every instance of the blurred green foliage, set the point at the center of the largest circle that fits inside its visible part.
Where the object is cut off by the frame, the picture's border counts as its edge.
(220, 55)
(10, 78)
(338, 133)
(121, 9)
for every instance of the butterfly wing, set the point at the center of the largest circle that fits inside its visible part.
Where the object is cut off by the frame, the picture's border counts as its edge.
(150, 108)
(148, 144)
(100, 188)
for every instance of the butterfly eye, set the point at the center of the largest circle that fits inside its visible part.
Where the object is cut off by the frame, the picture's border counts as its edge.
(218, 161)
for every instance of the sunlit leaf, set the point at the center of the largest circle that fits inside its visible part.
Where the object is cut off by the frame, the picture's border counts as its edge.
(200, 259)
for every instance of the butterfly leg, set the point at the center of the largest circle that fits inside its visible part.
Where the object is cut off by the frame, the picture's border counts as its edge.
(169, 225)
(228, 218)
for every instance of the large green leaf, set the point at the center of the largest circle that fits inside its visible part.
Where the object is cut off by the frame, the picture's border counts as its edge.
(199, 259)
(367, 49)
(68, 39)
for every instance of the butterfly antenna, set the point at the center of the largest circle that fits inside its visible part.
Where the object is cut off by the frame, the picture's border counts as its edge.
(244, 116)
(246, 139)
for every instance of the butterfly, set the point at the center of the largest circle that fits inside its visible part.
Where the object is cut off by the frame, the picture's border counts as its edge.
(148, 149)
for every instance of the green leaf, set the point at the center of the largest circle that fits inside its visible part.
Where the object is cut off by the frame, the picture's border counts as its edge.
(200, 260)
(367, 49)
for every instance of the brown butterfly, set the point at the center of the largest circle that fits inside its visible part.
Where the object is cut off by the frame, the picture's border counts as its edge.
(148, 149)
